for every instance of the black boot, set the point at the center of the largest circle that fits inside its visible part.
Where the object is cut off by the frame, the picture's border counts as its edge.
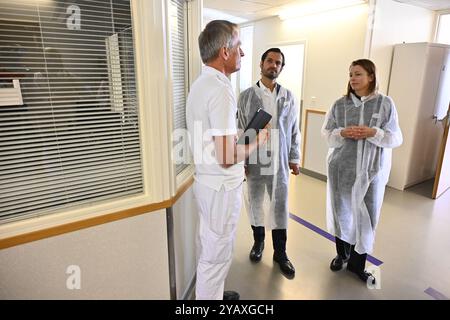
(258, 246)
(279, 237)
(231, 295)
(357, 264)
(343, 254)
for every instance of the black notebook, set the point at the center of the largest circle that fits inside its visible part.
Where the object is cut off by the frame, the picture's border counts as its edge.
(259, 121)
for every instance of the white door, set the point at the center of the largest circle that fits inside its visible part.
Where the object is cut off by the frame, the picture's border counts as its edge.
(292, 75)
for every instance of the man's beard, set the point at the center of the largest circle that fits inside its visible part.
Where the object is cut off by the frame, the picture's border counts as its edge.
(271, 76)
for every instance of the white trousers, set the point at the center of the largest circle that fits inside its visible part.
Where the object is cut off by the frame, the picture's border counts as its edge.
(218, 216)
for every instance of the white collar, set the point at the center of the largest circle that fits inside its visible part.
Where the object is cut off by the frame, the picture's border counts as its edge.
(265, 89)
(212, 71)
(364, 99)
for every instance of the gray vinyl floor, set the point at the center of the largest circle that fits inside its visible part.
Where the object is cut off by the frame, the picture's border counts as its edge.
(413, 243)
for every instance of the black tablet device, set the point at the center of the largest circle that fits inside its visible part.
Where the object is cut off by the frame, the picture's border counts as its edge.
(259, 121)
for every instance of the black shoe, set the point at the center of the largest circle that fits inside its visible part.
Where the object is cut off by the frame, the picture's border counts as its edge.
(256, 252)
(337, 263)
(285, 265)
(365, 276)
(231, 295)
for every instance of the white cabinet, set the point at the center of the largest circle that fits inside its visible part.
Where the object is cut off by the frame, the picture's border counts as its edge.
(415, 87)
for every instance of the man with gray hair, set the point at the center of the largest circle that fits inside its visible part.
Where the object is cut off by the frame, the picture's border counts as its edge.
(219, 161)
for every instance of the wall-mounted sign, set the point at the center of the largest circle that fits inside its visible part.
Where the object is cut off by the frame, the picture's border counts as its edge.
(73, 22)
(11, 95)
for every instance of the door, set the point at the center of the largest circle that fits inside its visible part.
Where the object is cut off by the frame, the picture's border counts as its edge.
(442, 178)
(292, 75)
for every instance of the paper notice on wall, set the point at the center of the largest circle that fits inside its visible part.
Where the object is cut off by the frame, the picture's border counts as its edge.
(10, 93)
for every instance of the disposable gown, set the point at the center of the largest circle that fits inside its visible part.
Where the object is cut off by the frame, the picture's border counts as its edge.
(358, 170)
(266, 190)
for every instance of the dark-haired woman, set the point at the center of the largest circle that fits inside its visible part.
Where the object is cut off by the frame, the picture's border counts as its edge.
(361, 129)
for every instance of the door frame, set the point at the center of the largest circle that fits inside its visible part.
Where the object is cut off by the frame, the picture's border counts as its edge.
(442, 153)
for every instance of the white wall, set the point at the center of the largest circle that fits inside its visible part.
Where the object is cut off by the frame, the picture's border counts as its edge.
(124, 259)
(185, 223)
(397, 23)
(336, 38)
(333, 40)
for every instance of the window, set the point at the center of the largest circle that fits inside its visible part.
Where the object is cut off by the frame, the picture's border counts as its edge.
(443, 31)
(178, 58)
(75, 139)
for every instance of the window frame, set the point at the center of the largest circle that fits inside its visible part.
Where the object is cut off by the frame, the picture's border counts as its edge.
(438, 20)
(188, 170)
(149, 37)
(193, 13)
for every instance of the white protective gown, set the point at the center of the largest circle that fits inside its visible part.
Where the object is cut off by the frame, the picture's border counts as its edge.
(358, 170)
(266, 190)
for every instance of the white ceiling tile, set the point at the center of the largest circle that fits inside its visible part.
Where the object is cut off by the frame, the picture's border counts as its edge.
(259, 9)
(235, 5)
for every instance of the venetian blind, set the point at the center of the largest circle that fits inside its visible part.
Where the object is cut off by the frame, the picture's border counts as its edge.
(178, 35)
(75, 139)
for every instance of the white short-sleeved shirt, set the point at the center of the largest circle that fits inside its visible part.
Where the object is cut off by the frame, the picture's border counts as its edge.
(211, 111)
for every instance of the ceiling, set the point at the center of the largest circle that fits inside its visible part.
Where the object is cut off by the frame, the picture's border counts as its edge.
(240, 11)
(435, 5)
(248, 10)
